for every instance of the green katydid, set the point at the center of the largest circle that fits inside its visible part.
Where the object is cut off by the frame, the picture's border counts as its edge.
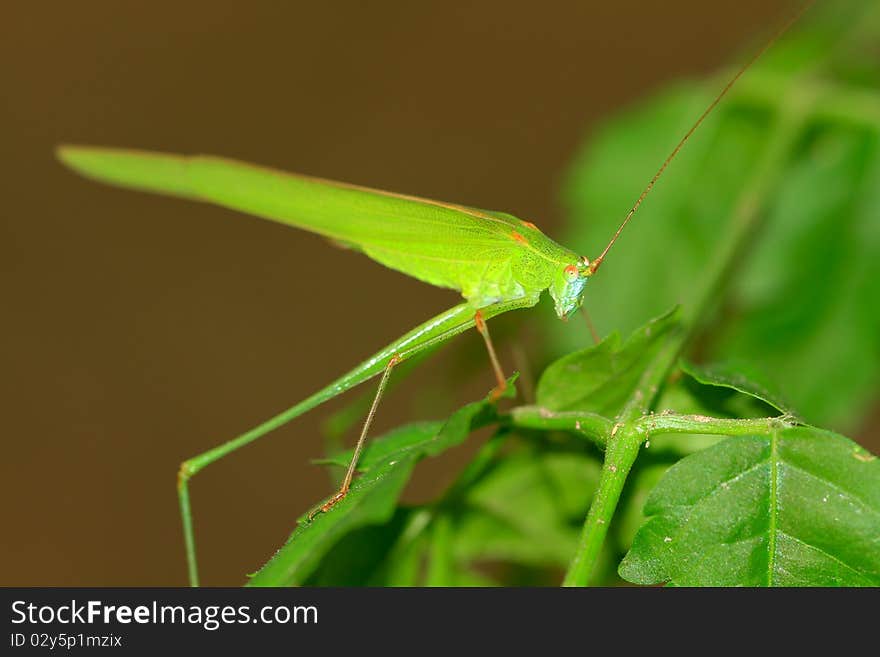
(495, 260)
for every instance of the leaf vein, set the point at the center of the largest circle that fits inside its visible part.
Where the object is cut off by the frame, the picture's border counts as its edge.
(773, 508)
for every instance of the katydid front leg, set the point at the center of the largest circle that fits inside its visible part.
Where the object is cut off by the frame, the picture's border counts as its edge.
(429, 334)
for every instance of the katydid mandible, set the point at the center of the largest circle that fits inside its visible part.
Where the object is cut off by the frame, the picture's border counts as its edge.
(496, 261)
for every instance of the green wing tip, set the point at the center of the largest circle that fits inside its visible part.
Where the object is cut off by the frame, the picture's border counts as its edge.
(73, 156)
(65, 153)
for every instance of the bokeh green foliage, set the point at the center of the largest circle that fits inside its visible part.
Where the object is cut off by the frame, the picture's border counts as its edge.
(803, 299)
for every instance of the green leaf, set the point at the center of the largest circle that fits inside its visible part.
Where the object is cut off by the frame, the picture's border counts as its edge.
(742, 378)
(798, 507)
(371, 500)
(811, 320)
(526, 509)
(600, 378)
(373, 495)
(360, 558)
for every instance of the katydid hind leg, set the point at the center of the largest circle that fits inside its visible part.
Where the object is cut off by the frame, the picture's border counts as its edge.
(428, 334)
(425, 336)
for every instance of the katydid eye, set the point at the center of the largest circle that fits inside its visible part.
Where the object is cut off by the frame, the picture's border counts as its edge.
(571, 273)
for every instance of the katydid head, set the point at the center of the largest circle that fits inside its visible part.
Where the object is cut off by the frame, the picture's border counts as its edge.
(567, 289)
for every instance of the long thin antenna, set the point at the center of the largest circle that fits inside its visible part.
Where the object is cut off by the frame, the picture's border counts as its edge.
(594, 265)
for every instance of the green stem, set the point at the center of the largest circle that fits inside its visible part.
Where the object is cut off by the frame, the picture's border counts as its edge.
(652, 425)
(622, 451)
(625, 440)
(591, 425)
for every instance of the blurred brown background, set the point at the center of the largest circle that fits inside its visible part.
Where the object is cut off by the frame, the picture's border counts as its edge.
(138, 331)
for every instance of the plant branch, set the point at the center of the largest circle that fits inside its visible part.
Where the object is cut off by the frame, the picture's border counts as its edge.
(623, 448)
(591, 425)
(651, 425)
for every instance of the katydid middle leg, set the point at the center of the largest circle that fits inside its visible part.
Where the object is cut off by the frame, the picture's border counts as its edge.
(346, 481)
(483, 329)
(496, 392)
